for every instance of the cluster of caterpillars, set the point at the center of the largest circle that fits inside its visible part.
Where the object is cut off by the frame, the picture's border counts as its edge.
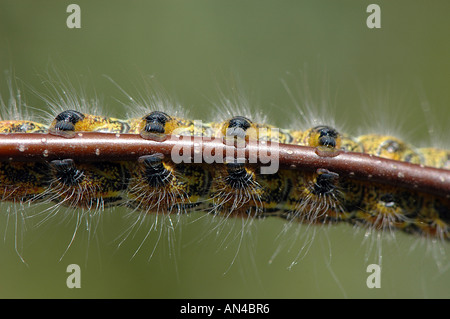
(154, 184)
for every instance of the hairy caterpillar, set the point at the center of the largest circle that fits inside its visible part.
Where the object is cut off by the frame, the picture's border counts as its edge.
(157, 185)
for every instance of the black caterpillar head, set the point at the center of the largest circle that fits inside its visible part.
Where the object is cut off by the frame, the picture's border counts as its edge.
(155, 122)
(65, 121)
(154, 172)
(66, 172)
(237, 126)
(238, 177)
(327, 135)
(326, 182)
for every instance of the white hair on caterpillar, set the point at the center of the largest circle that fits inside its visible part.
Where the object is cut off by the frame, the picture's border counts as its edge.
(62, 92)
(149, 96)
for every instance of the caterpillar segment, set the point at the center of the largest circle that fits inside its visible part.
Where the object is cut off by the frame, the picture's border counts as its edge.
(155, 184)
(387, 208)
(157, 124)
(390, 147)
(87, 185)
(324, 196)
(159, 186)
(244, 128)
(433, 219)
(435, 157)
(68, 122)
(22, 182)
(92, 186)
(238, 189)
(22, 127)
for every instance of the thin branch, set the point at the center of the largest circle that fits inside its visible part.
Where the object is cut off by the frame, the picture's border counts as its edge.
(90, 146)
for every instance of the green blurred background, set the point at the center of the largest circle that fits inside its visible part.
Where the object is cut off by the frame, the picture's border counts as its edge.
(193, 48)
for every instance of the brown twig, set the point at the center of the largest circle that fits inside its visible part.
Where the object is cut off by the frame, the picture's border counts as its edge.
(90, 146)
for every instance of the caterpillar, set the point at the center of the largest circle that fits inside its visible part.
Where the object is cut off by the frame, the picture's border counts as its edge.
(155, 184)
